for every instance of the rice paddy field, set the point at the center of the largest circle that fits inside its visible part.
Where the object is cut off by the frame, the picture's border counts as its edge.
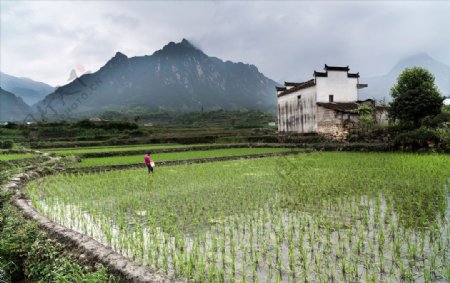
(15, 156)
(318, 217)
(135, 159)
(119, 148)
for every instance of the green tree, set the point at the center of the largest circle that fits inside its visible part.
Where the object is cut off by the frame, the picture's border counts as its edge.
(415, 96)
(366, 115)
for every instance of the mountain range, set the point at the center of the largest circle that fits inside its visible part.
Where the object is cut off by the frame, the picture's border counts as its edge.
(12, 108)
(179, 77)
(29, 90)
(379, 87)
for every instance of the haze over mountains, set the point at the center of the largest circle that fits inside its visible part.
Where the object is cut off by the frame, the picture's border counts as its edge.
(29, 90)
(379, 87)
(178, 77)
(12, 108)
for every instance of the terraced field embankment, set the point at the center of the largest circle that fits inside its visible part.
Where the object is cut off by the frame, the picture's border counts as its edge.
(100, 168)
(87, 250)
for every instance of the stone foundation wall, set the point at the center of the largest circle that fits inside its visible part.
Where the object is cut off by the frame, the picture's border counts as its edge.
(335, 125)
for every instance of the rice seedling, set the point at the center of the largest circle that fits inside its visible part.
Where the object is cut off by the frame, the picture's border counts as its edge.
(15, 156)
(314, 217)
(116, 148)
(137, 159)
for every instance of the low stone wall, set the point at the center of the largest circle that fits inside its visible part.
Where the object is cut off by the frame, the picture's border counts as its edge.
(363, 147)
(86, 249)
(89, 250)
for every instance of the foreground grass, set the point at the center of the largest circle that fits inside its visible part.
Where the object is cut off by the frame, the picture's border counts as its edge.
(315, 217)
(134, 159)
(27, 254)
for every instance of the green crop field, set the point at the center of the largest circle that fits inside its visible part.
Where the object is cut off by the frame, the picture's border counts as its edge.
(14, 156)
(320, 217)
(134, 159)
(143, 147)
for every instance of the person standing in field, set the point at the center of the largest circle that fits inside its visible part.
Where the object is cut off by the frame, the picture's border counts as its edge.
(148, 162)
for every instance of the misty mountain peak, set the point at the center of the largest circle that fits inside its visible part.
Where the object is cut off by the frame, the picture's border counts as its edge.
(118, 59)
(120, 55)
(187, 43)
(421, 56)
(29, 90)
(177, 77)
(183, 47)
(12, 107)
(379, 87)
(416, 60)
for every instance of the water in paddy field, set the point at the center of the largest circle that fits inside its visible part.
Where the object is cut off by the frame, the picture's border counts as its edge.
(344, 239)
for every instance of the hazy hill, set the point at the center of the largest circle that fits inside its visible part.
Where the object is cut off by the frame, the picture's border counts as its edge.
(178, 77)
(12, 108)
(30, 91)
(379, 87)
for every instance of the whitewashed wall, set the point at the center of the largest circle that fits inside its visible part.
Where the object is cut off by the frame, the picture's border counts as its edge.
(298, 116)
(338, 84)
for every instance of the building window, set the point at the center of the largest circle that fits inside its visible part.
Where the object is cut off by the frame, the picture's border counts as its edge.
(331, 98)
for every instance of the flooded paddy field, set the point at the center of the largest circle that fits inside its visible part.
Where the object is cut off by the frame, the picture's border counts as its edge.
(319, 217)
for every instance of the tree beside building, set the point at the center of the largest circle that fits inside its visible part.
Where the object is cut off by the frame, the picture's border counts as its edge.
(415, 97)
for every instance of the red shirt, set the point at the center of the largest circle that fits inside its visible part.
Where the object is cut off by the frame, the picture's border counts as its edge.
(147, 159)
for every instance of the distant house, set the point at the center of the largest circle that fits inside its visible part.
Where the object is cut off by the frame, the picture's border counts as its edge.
(327, 104)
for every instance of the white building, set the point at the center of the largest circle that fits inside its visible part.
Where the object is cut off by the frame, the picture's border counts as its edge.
(325, 104)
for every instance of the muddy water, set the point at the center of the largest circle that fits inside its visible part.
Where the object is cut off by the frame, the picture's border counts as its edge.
(357, 241)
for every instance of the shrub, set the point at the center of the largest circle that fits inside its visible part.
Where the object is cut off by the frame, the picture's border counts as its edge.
(441, 119)
(45, 263)
(109, 125)
(28, 255)
(7, 144)
(366, 116)
(136, 133)
(419, 139)
(444, 135)
(11, 125)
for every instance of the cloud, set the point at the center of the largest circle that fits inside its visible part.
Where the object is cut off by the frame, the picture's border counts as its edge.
(44, 40)
(122, 19)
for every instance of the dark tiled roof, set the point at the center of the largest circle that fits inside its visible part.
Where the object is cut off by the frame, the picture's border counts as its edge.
(360, 86)
(335, 68)
(330, 68)
(299, 86)
(367, 101)
(280, 88)
(350, 75)
(346, 107)
(320, 74)
(292, 84)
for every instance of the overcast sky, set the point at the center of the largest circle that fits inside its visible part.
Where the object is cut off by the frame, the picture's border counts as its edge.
(286, 40)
